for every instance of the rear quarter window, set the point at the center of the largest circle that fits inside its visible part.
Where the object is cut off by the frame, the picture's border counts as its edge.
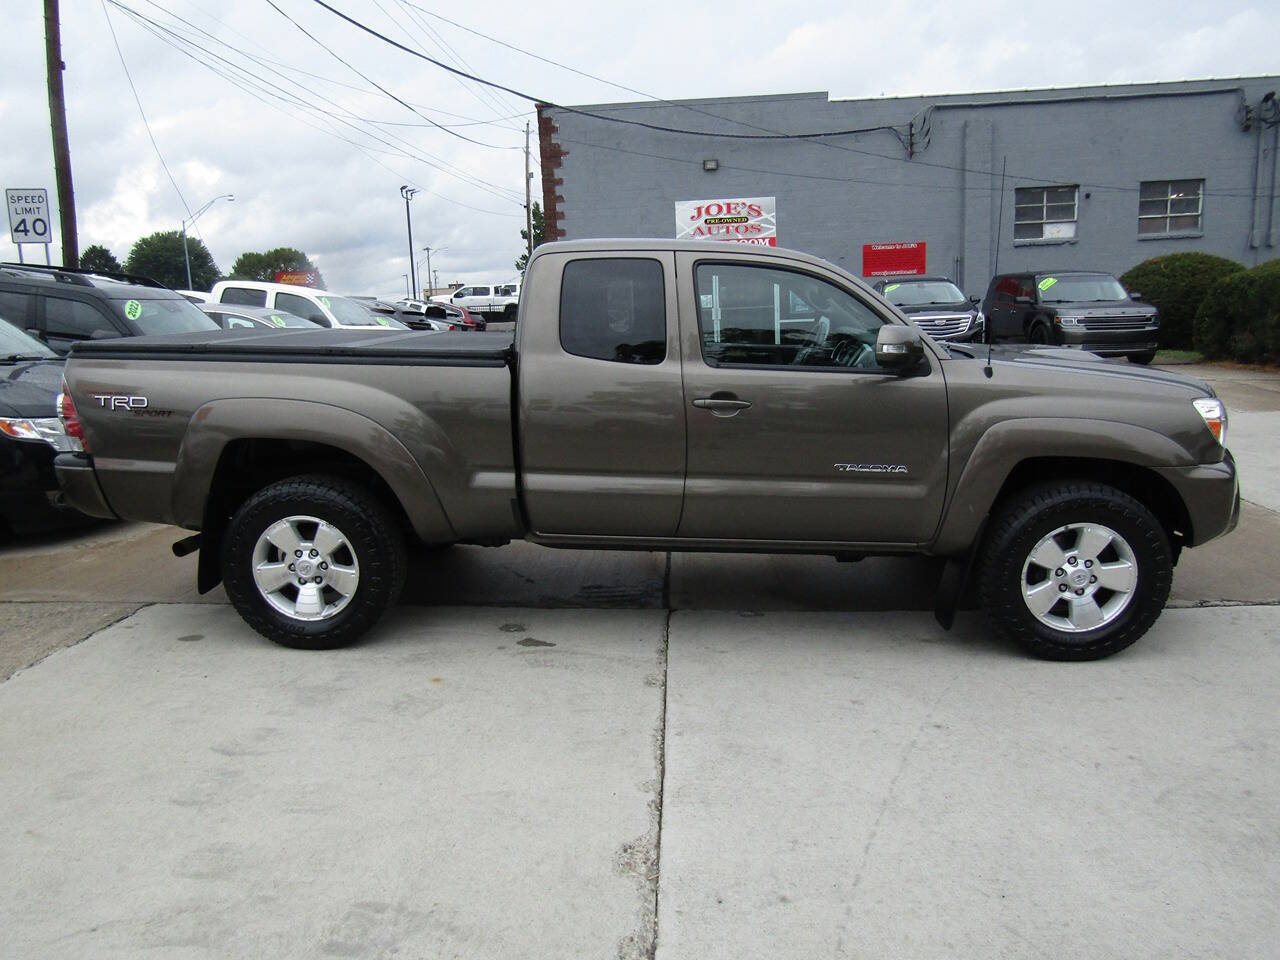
(244, 296)
(614, 309)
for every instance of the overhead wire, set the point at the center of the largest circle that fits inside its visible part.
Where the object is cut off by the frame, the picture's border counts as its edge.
(258, 88)
(269, 88)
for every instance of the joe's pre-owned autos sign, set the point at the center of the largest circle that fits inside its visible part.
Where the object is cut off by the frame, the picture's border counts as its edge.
(744, 220)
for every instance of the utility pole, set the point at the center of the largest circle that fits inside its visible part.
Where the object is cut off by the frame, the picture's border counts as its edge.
(61, 147)
(429, 283)
(407, 192)
(528, 181)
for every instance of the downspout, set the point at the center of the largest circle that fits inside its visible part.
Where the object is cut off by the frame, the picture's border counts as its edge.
(964, 201)
(1257, 180)
(1271, 196)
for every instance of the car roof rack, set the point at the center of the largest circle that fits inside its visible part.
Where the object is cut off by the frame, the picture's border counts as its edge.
(77, 274)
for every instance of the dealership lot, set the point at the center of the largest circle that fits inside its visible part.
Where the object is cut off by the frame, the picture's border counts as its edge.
(570, 750)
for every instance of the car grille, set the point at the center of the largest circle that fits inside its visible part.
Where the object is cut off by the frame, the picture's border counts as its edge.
(942, 325)
(1116, 323)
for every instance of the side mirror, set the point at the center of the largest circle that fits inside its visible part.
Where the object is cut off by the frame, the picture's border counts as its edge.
(975, 300)
(1134, 295)
(898, 347)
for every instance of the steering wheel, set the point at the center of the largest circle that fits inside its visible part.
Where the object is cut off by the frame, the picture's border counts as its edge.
(850, 352)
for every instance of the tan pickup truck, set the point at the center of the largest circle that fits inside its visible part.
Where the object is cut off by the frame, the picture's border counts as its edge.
(657, 395)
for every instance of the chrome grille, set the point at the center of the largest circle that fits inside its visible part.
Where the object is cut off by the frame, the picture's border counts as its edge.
(942, 325)
(1116, 323)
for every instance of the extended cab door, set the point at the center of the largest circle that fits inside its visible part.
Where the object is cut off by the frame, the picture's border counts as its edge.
(795, 433)
(600, 411)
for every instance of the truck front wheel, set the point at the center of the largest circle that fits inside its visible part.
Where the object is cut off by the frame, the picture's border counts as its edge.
(1075, 570)
(313, 562)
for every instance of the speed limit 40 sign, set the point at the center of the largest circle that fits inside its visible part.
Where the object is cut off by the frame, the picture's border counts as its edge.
(28, 215)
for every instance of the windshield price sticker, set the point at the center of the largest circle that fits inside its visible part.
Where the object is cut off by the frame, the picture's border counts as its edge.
(133, 309)
(1047, 282)
(278, 321)
(891, 287)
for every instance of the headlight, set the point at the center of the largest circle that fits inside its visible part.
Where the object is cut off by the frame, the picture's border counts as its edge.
(40, 429)
(1215, 416)
(979, 319)
(1070, 321)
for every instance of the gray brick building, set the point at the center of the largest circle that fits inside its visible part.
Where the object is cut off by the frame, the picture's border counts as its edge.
(1097, 177)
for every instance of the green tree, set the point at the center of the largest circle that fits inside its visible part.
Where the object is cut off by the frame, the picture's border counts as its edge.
(99, 258)
(539, 236)
(263, 266)
(159, 256)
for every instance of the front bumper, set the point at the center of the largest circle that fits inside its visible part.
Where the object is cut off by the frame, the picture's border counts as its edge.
(80, 485)
(1211, 492)
(1108, 343)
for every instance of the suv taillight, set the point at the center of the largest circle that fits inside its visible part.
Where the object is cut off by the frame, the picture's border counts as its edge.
(71, 420)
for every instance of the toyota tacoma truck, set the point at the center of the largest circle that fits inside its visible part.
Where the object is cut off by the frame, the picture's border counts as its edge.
(657, 395)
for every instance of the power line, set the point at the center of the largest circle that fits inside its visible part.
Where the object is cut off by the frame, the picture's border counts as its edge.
(816, 137)
(368, 79)
(138, 101)
(254, 86)
(273, 90)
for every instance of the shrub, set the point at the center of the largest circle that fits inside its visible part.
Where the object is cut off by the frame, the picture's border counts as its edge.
(1240, 317)
(1176, 285)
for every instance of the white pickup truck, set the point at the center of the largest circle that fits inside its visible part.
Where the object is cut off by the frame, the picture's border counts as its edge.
(497, 301)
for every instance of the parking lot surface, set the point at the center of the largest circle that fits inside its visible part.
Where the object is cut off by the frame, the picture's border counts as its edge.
(562, 754)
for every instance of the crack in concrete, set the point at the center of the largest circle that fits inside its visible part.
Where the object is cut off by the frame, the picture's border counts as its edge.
(642, 858)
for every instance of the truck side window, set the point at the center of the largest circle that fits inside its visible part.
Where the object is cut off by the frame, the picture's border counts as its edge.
(753, 315)
(614, 309)
(244, 296)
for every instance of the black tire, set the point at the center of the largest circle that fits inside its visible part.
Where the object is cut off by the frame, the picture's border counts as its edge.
(1038, 332)
(1019, 525)
(374, 539)
(1142, 358)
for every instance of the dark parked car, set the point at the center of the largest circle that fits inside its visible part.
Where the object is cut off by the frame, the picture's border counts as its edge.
(459, 318)
(1072, 308)
(231, 316)
(936, 306)
(31, 434)
(60, 306)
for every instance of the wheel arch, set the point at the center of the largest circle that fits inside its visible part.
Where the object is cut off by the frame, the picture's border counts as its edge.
(1017, 453)
(218, 466)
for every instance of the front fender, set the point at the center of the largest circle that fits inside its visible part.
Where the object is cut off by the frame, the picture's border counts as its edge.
(218, 422)
(1004, 445)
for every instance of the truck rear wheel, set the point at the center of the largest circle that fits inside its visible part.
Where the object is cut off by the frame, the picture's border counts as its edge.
(1075, 570)
(313, 562)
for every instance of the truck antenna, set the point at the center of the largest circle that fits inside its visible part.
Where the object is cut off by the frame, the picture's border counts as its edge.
(1004, 164)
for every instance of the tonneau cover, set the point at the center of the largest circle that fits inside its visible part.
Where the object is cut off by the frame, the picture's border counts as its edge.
(294, 345)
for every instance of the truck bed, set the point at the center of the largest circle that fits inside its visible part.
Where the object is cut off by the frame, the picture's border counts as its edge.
(413, 347)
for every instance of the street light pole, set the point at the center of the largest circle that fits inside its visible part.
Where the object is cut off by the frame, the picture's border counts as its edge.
(430, 272)
(407, 192)
(186, 259)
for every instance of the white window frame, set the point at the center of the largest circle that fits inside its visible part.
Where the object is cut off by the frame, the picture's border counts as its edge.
(1055, 229)
(1167, 214)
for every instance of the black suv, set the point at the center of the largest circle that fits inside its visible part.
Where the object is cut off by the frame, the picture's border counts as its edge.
(935, 305)
(1072, 308)
(60, 306)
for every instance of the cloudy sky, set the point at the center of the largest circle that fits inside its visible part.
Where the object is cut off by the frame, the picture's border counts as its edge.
(241, 100)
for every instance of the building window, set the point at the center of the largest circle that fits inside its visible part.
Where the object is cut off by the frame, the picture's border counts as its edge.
(1170, 206)
(1044, 213)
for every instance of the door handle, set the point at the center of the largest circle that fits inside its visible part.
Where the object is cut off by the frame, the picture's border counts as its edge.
(721, 406)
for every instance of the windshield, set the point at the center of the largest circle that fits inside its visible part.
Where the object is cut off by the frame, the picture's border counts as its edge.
(351, 313)
(15, 343)
(914, 294)
(167, 315)
(1096, 288)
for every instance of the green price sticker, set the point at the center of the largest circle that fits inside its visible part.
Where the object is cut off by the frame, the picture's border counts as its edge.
(1047, 282)
(278, 321)
(325, 301)
(382, 321)
(892, 286)
(133, 309)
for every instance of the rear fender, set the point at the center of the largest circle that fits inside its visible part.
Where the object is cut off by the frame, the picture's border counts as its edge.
(219, 422)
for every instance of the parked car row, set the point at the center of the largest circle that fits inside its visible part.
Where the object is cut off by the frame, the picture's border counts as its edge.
(1083, 309)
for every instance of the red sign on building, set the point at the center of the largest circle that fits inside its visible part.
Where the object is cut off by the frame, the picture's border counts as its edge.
(299, 278)
(893, 259)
